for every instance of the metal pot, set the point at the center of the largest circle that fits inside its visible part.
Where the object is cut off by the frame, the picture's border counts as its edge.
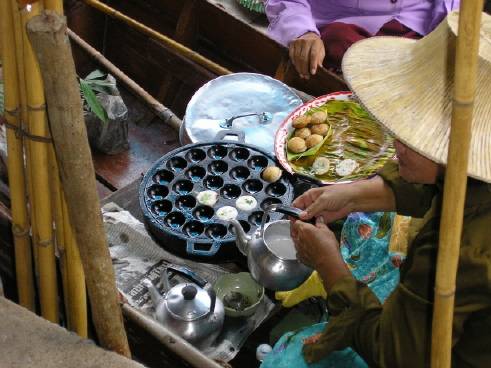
(188, 309)
(267, 267)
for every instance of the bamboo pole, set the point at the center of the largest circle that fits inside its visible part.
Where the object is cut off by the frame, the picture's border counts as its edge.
(169, 339)
(48, 288)
(160, 110)
(48, 35)
(19, 50)
(56, 207)
(73, 278)
(20, 220)
(466, 64)
(71, 264)
(77, 296)
(56, 5)
(169, 42)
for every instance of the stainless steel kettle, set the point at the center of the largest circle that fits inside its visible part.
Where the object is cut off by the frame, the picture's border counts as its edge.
(188, 309)
(266, 266)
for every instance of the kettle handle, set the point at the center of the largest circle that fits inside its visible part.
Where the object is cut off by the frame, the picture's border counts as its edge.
(188, 273)
(213, 300)
(288, 210)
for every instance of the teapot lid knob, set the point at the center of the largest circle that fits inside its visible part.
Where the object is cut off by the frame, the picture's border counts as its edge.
(189, 292)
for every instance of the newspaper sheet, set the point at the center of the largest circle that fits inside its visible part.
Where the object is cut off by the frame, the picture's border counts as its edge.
(137, 257)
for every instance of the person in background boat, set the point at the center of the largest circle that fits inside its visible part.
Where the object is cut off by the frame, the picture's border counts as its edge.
(318, 32)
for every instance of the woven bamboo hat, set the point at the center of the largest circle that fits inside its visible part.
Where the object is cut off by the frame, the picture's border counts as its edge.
(407, 86)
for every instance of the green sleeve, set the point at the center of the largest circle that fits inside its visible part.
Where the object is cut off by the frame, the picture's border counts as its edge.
(411, 199)
(398, 334)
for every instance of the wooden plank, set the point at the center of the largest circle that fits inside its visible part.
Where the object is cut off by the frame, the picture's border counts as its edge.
(88, 23)
(147, 144)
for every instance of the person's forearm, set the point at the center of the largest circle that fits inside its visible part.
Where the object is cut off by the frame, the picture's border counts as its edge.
(331, 268)
(372, 195)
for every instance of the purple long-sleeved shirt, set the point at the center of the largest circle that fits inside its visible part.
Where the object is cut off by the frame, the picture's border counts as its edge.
(290, 19)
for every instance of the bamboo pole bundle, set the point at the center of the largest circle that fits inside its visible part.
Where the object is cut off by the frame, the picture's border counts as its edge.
(466, 64)
(48, 35)
(169, 42)
(20, 221)
(37, 124)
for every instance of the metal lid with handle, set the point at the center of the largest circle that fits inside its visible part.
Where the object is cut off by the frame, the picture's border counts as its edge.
(190, 302)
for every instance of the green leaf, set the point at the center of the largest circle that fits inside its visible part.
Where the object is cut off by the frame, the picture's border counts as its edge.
(99, 89)
(94, 75)
(91, 99)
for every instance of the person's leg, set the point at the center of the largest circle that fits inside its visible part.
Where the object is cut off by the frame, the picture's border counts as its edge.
(394, 28)
(337, 38)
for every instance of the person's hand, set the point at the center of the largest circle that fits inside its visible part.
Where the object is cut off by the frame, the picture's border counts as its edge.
(314, 242)
(331, 203)
(307, 53)
(317, 247)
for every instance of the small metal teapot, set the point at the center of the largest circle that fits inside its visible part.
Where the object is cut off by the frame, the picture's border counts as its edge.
(266, 265)
(188, 309)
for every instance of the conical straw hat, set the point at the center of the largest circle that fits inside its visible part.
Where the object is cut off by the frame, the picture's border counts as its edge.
(407, 86)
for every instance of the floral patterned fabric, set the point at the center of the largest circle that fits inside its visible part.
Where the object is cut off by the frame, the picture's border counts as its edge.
(365, 249)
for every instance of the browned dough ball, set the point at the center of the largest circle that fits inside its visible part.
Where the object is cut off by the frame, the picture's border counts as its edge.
(320, 129)
(318, 117)
(271, 174)
(297, 145)
(313, 140)
(302, 133)
(301, 122)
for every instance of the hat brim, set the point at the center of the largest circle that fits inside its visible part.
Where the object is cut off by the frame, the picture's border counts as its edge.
(407, 86)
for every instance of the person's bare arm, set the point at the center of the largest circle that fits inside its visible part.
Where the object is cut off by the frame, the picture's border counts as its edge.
(307, 53)
(337, 201)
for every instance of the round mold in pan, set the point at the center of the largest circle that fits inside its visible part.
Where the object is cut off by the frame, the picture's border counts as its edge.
(232, 169)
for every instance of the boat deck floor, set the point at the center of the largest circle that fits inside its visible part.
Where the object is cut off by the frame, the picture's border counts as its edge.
(30, 341)
(149, 139)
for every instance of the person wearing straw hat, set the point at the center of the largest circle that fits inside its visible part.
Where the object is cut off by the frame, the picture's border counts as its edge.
(318, 32)
(407, 86)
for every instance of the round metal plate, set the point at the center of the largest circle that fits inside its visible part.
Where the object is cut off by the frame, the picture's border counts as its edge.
(239, 94)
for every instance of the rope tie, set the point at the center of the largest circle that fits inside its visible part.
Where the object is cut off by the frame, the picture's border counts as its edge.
(21, 133)
(19, 232)
(41, 107)
(45, 243)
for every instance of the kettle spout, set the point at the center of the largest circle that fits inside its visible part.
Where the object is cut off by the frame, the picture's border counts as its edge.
(154, 293)
(242, 238)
